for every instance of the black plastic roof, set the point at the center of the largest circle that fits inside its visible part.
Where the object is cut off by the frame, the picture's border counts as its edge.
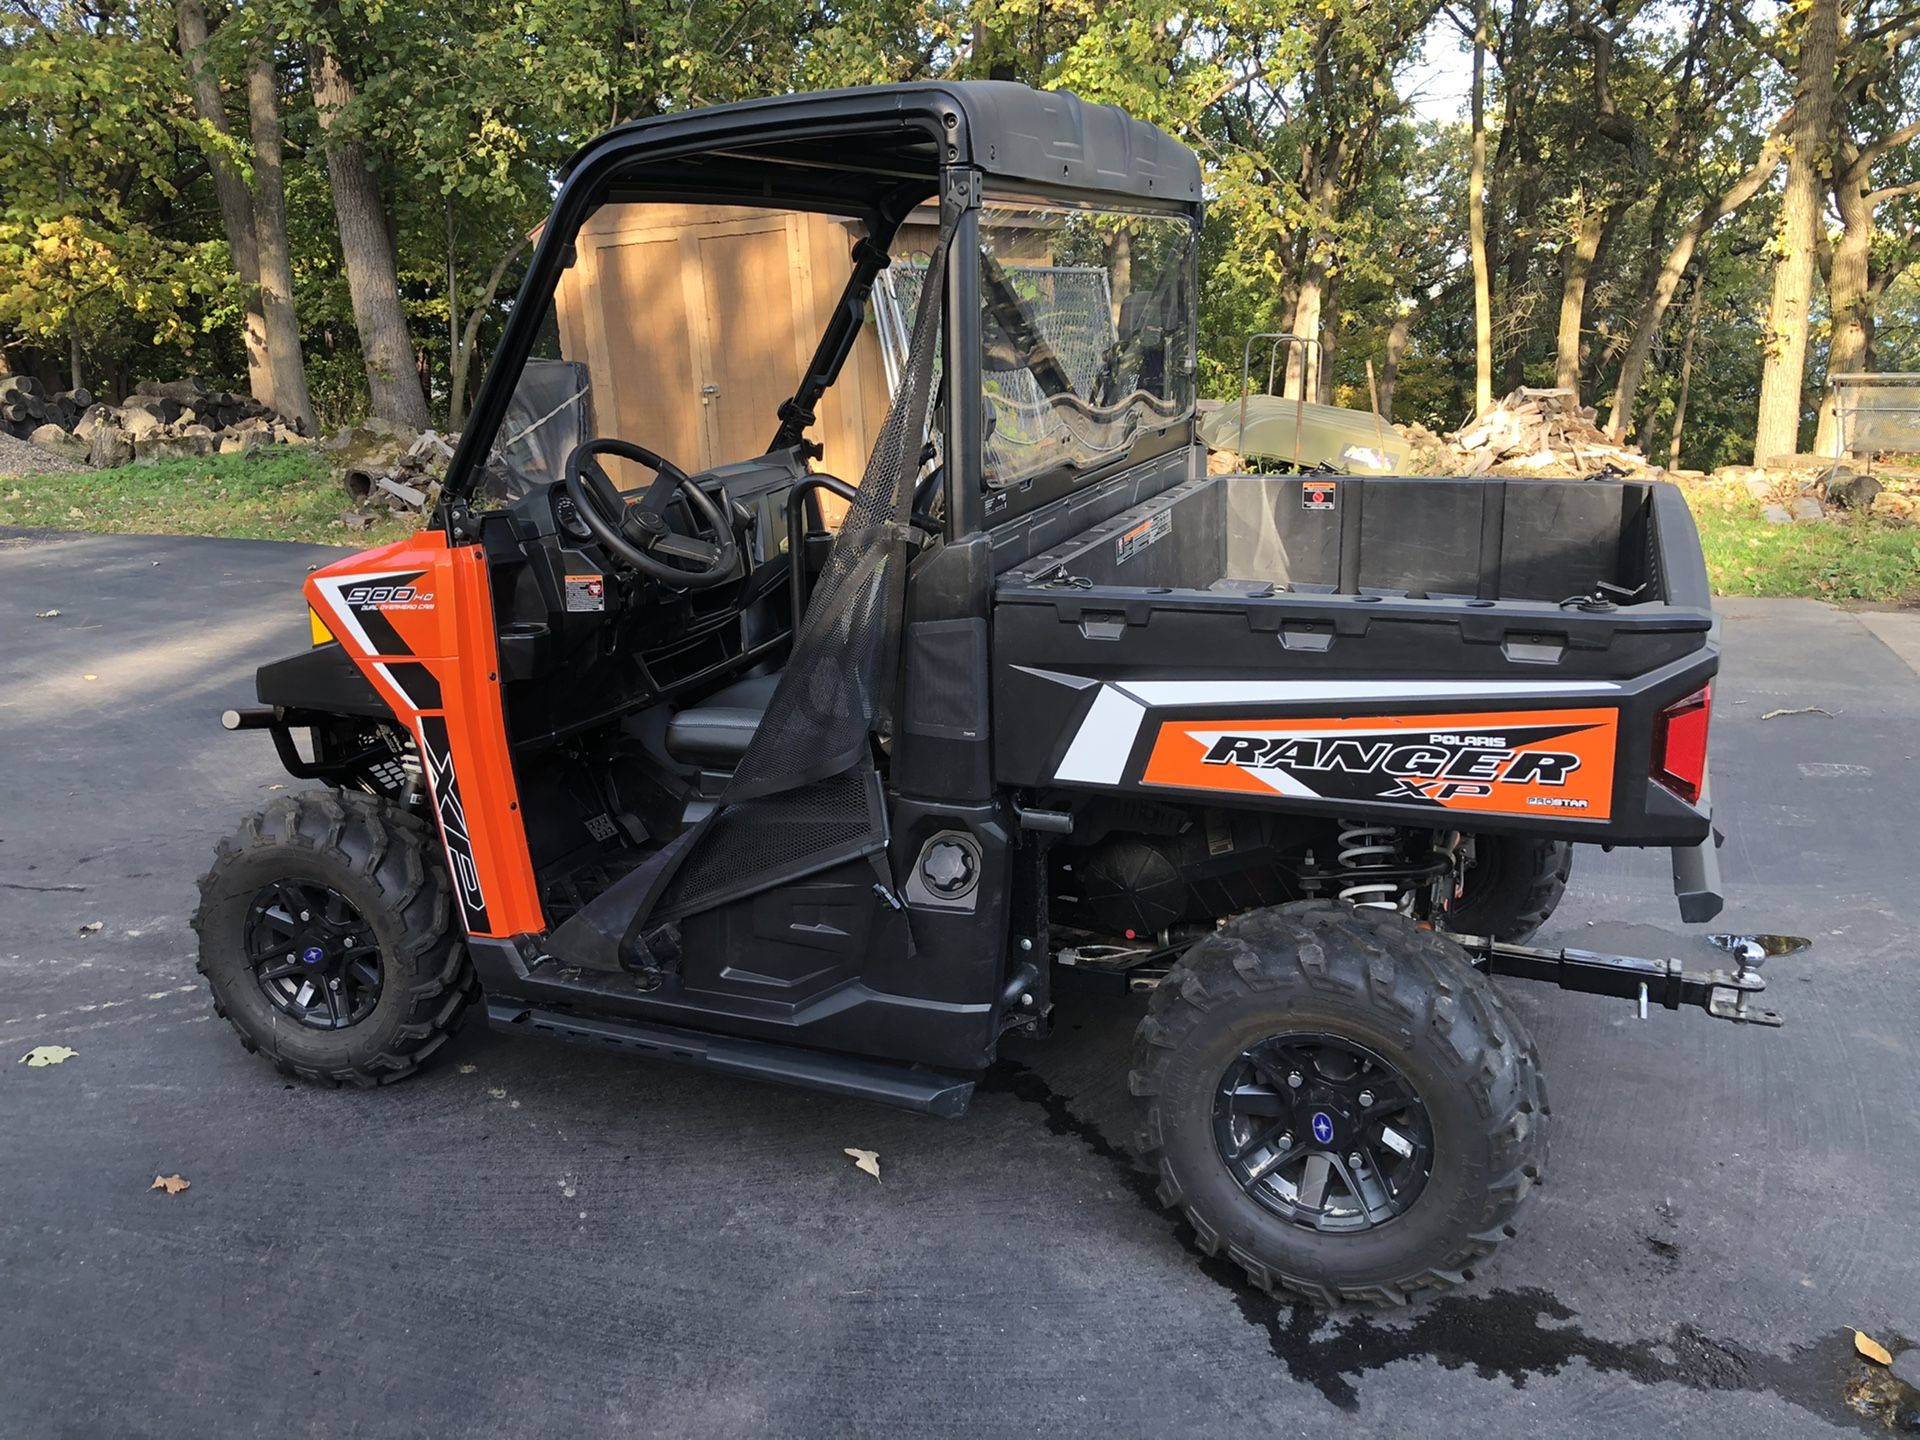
(1009, 131)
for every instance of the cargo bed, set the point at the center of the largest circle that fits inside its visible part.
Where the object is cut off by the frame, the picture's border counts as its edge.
(1322, 643)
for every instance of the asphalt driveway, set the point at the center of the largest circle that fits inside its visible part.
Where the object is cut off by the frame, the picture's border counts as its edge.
(535, 1239)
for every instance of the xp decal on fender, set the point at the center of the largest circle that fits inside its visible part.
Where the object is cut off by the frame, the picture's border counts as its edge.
(1339, 1103)
(643, 745)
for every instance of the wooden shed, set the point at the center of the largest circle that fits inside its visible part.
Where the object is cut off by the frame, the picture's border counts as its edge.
(696, 321)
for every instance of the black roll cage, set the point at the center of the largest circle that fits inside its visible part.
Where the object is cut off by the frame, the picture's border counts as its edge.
(770, 152)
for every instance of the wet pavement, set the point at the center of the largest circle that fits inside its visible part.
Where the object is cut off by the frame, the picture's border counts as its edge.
(537, 1239)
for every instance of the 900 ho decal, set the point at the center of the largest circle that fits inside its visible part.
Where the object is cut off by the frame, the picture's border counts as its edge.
(1532, 762)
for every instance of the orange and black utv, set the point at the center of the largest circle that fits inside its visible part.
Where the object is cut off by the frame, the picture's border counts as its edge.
(666, 759)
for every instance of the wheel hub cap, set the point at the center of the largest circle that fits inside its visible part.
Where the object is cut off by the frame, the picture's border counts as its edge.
(313, 954)
(1323, 1132)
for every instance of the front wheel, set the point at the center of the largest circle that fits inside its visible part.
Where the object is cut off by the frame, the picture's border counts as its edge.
(1339, 1103)
(327, 934)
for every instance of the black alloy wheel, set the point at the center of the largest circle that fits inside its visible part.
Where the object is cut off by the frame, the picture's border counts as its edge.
(313, 954)
(1323, 1132)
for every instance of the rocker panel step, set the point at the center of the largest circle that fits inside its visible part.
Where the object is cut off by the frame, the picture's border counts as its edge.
(902, 1086)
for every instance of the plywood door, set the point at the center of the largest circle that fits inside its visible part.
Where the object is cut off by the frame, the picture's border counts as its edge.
(752, 360)
(644, 366)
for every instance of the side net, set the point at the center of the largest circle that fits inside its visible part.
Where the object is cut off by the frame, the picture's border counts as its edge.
(814, 749)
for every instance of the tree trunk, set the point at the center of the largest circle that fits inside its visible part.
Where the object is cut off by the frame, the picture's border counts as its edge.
(289, 366)
(236, 205)
(1633, 364)
(1396, 348)
(1329, 335)
(1686, 372)
(75, 374)
(1849, 300)
(1576, 271)
(367, 247)
(469, 336)
(1303, 361)
(1477, 224)
(1784, 363)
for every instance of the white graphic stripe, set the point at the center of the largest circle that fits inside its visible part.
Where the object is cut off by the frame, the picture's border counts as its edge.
(1098, 755)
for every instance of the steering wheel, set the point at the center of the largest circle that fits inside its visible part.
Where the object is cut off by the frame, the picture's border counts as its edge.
(636, 532)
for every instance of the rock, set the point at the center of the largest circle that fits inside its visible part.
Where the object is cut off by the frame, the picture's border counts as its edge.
(1775, 515)
(1906, 1367)
(1848, 491)
(390, 429)
(358, 519)
(56, 441)
(1805, 507)
(109, 447)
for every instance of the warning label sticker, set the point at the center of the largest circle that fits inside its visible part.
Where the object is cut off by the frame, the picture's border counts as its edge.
(1138, 537)
(1319, 494)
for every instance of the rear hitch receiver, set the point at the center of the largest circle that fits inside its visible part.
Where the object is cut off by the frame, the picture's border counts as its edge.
(1724, 994)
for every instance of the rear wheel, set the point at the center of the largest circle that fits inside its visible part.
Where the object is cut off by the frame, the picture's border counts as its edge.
(1511, 887)
(1339, 1103)
(327, 936)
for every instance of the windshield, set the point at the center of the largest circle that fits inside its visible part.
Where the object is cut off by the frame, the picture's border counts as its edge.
(1086, 334)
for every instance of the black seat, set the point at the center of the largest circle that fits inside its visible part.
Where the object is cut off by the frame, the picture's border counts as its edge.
(714, 733)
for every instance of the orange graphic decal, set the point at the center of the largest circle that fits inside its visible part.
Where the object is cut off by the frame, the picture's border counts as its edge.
(1525, 762)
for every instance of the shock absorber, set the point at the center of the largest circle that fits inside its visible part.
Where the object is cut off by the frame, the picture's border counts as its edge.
(1365, 847)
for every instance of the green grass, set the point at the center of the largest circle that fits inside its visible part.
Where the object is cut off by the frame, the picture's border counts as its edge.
(1854, 558)
(277, 494)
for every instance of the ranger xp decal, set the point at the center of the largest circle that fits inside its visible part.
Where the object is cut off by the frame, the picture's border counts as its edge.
(1530, 762)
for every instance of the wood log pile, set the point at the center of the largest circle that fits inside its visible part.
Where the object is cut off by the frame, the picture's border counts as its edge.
(160, 420)
(1530, 432)
(387, 468)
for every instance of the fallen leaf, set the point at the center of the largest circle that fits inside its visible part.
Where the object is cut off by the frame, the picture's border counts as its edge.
(867, 1160)
(1801, 710)
(1871, 1348)
(42, 1055)
(92, 927)
(45, 614)
(172, 1184)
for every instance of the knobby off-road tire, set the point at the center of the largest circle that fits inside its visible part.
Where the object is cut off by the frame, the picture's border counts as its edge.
(1372, 978)
(1512, 887)
(385, 862)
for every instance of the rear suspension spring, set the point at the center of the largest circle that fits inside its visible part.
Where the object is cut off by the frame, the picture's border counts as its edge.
(1366, 847)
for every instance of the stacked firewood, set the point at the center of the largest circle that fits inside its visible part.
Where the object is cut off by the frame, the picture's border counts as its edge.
(25, 405)
(1530, 432)
(160, 420)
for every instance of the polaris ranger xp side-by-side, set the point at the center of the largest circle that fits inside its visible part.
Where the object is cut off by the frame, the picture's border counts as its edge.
(663, 758)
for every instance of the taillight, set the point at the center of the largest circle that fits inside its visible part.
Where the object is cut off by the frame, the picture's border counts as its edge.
(1680, 745)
